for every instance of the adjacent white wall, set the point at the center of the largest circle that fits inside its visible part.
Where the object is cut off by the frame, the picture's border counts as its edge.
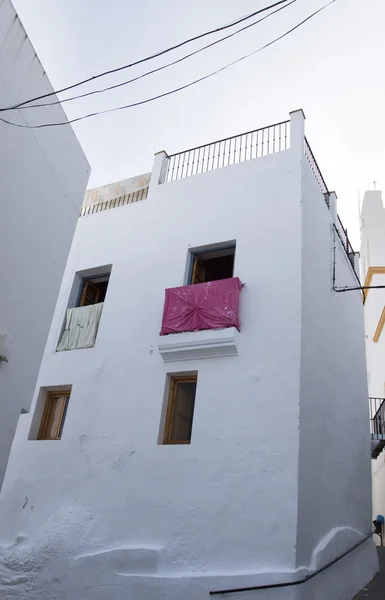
(107, 512)
(373, 255)
(43, 175)
(372, 223)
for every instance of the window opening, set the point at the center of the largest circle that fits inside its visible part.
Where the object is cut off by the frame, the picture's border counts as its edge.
(54, 414)
(180, 410)
(212, 265)
(93, 290)
(84, 309)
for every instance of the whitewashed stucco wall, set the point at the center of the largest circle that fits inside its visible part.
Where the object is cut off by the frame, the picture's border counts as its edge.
(372, 223)
(373, 255)
(207, 506)
(43, 175)
(334, 414)
(107, 512)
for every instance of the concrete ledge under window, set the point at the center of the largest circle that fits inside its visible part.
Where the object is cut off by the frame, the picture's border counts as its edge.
(210, 343)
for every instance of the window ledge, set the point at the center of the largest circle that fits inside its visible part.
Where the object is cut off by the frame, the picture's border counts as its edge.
(210, 343)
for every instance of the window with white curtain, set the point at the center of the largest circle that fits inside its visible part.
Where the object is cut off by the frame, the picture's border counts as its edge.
(82, 318)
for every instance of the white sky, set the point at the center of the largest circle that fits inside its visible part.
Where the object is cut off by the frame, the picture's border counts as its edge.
(332, 68)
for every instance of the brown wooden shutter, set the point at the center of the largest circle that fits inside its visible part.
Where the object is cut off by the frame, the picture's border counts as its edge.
(52, 421)
(198, 274)
(90, 294)
(180, 410)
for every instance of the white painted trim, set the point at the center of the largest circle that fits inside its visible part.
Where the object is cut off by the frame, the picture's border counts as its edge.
(198, 344)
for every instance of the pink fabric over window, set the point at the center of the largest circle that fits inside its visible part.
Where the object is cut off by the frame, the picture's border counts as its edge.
(211, 305)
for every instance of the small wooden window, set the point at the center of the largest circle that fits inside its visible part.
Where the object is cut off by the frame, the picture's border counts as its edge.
(180, 410)
(53, 415)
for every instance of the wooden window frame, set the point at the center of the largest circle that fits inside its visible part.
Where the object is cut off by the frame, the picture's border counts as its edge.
(198, 270)
(58, 426)
(171, 402)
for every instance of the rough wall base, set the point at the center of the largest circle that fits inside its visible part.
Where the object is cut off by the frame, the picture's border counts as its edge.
(142, 574)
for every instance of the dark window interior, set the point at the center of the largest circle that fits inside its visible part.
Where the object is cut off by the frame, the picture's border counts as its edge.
(93, 290)
(213, 265)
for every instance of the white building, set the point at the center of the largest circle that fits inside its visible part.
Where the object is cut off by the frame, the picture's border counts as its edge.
(171, 466)
(373, 268)
(43, 176)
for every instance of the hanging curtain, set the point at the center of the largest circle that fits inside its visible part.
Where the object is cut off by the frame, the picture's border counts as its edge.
(81, 327)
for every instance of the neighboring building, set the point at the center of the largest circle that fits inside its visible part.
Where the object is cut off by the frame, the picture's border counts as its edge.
(373, 273)
(43, 176)
(168, 466)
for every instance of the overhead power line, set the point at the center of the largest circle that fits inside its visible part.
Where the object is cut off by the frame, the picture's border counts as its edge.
(142, 60)
(185, 57)
(175, 90)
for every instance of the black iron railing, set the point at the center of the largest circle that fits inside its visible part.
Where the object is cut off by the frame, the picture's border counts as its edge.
(377, 425)
(316, 172)
(342, 232)
(229, 151)
(136, 196)
(343, 235)
(377, 418)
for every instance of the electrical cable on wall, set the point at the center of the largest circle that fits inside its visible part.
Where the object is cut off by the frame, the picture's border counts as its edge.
(362, 288)
(348, 288)
(175, 90)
